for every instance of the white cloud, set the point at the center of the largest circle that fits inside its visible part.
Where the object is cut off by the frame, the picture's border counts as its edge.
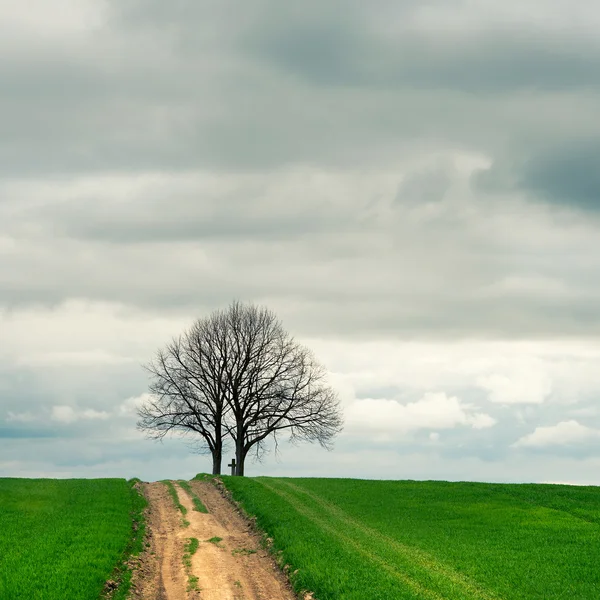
(25, 417)
(519, 387)
(37, 19)
(83, 357)
(527, 285)
(63, 414)
(93, 415)
(129, 406)
(520, 374)
(560, 483)
(487, 14)
(83, 332)
(67, 414)
(481, 421)
(562, 434)
(432, 411)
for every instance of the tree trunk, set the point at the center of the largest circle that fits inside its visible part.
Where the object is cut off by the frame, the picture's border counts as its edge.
(217, 449)
(240, 455)
(217, 456)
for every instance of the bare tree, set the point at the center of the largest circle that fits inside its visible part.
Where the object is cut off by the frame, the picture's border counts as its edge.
(187, 394)
(274, 384)
(238, 372)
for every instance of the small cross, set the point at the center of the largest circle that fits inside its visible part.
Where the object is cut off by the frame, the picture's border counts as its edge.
(232, 465)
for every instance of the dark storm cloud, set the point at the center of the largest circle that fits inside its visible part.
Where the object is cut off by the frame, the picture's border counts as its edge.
(566, 175)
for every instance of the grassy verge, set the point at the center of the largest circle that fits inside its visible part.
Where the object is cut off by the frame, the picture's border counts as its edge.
(410, 540)
(123, 572)
(62, 538)
(198, 505)
(173, 493)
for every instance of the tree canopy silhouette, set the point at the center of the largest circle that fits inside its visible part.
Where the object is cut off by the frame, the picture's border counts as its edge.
(237, 374)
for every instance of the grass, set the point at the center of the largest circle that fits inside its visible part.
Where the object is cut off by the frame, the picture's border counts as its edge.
(215, 540)
(192, 546)
(122, 573)
(243, 551)
(190, 550)
(371, 540)
(173, 493)
(198, 505)
(63, 538)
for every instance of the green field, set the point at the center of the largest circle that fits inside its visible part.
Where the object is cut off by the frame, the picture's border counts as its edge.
(368, 540)
(62, 539)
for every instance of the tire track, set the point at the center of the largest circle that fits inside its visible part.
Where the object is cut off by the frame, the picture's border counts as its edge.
(427, 561)
(167, 545)
(414, 559)
(418, 588)
(227, 564)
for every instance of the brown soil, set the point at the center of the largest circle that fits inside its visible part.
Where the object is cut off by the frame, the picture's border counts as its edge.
(235, 568)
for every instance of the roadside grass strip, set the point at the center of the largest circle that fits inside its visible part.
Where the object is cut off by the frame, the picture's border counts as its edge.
(198, 505)
(123, 572)
(63, 539)
(173, 493)
(423, 574)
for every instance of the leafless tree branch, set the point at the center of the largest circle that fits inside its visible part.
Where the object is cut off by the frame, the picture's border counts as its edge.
(238, 373)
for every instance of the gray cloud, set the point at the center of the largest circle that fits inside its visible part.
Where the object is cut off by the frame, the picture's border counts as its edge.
(26, 433)
(183, 244)
(427, 185)
(344, 52)
(166, 215)
(566, 175)
(318, 159)
(187, 88)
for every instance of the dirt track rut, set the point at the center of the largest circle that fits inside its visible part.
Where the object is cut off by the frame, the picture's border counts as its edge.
(235, 568)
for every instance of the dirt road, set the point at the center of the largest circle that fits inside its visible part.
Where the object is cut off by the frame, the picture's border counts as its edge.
(232, 566)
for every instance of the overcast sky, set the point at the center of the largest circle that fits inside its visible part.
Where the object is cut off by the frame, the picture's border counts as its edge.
(412, 186)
